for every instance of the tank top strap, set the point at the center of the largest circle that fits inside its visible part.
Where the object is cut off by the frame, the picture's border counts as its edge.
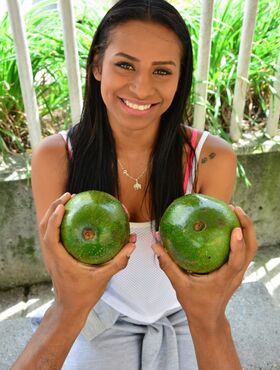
(64, 134)
(201, 143)
(194, 137)
(190, 159)
(191, 168)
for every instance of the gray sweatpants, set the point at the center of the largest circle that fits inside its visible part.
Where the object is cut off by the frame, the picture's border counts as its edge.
(112, 341)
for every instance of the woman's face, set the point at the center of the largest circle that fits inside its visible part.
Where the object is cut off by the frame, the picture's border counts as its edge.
(139, 74)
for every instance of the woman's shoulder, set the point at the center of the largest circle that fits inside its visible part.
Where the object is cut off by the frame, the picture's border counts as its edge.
(51, 146)
(49, 172)
(50, 155)
(211, 141)
(216, 167)
(216, 143)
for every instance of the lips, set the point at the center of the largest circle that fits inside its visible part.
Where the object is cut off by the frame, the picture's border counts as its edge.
(137, 106)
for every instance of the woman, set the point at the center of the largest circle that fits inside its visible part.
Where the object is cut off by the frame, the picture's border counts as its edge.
(131, 142)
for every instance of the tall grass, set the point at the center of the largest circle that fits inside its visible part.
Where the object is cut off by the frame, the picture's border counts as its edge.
(226, 35)
(45, 40)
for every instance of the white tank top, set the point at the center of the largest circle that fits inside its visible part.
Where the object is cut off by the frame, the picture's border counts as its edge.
(142, 291)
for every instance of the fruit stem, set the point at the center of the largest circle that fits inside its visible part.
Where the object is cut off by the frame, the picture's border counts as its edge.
(199, 226)
(88, 234)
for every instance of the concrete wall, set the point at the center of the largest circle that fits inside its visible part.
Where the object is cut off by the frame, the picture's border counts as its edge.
(20, 260)
(262, 199)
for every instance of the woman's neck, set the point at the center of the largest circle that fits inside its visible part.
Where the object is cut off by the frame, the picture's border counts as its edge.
(132, 143)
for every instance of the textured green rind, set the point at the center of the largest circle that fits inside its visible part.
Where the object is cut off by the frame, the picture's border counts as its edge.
(198, 251)
(102, 213)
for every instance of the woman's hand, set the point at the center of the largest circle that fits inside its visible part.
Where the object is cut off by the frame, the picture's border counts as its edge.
(77, 286)
(204, 297)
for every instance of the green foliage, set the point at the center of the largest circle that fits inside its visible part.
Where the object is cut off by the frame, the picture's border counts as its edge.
(45, 41)
(226, 35)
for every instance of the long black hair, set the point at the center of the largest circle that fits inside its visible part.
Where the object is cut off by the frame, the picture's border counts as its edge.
(94, 163)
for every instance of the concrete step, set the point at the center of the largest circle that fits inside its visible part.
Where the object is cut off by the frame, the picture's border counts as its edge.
(14, 334)
(255, 322)
(254, 313)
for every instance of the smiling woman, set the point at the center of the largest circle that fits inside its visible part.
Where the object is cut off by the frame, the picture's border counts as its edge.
(143, 312)
(138, 82)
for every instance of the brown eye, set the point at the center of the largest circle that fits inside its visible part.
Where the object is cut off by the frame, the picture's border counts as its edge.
(125, 65)
(162, 72)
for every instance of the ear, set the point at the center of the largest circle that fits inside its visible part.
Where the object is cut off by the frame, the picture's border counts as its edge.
(97, 69)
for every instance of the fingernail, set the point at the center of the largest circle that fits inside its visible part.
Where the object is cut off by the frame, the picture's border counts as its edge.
(239, 234)
(133, 238)
(240, 210)
(58, 208)
(157, 236)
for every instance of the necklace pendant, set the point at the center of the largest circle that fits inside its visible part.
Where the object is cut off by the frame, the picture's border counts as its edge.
(137, 185)
(125, 172)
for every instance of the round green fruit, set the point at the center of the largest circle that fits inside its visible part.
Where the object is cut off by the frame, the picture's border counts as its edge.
(195, 230)
(95, 227)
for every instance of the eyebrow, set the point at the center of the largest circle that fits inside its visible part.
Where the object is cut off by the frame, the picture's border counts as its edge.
(160, 62)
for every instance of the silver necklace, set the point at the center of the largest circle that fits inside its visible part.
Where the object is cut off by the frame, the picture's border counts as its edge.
(137, 185)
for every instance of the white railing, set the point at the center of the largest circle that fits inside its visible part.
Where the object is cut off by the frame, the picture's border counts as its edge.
(203, 62)
(242, 83)
(72, 59)
(71, 56)
(25, 72)
(274, 111)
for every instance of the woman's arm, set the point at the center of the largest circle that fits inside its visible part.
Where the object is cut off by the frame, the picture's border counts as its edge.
(216, 170)
(204, 297)
(77, 289)
(49, 173)
(51, 342)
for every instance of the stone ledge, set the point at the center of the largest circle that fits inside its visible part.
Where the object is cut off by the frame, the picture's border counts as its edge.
(21, 261)
(256, 143)
(17, 166)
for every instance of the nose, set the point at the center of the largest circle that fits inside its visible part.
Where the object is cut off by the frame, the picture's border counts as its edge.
(142, 86)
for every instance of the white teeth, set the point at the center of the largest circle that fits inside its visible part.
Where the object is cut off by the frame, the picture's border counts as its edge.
(136, 106)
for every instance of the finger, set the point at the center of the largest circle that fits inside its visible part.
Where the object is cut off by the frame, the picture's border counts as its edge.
(248, 232)
(166, 263)
(132, 238)
(237, 256)
(52, 235)
(61, 200)
(157, 236)
(119, 262)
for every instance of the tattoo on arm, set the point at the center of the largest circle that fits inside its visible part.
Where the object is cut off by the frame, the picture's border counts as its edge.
(210, 156)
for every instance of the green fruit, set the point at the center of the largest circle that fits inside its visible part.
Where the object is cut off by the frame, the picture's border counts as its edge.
(95, 227)
(195, 230)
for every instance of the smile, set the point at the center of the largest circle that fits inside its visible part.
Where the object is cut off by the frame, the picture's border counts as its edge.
(136, 106)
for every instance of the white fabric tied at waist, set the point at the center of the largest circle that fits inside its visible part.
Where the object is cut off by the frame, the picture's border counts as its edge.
(159, 345)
